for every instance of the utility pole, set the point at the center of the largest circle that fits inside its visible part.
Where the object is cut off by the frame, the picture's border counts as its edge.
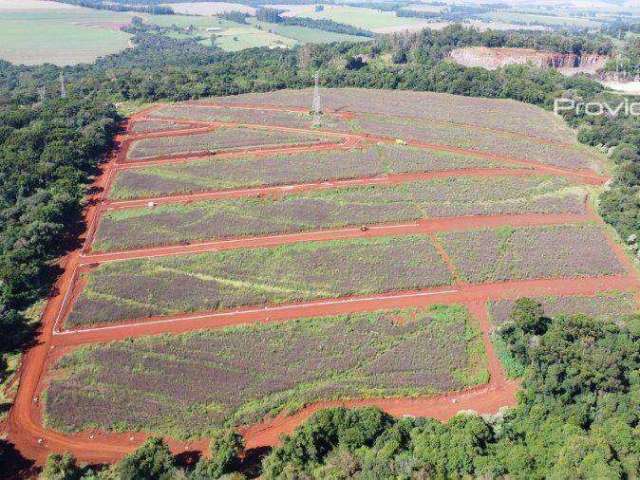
(63, 88)
(317, 105)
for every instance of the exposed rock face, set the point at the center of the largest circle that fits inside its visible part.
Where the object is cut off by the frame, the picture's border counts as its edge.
(492, 58)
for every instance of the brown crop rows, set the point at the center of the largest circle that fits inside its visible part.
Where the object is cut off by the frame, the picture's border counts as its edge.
(239, 270)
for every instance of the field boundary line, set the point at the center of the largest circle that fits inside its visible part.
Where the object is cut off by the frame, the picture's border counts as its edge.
(423, 226)
(586, 175)
(384, 180)
(350, 114)
(448, 294)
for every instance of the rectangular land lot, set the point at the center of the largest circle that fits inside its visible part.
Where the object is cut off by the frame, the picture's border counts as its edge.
(334, 208)
(498, 143)
(156, 125)
(223, 280)
(508, 115)
(612, 306)
(532, 252)
(283, 169)
(219, 139)
(236, 376)
(247, 116)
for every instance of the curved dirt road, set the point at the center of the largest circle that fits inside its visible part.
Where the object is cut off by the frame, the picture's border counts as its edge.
(35, 441)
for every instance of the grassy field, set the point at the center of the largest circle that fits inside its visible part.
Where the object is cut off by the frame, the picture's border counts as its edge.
(546, 20)
(223, 280)
(282, 169)
(204, 380)
(46, 32)
(239, 38)
(307, 35)
(219, 139)
(210, 8)
(334, 208)
(365, 18)
(532, 252)
(230, 36)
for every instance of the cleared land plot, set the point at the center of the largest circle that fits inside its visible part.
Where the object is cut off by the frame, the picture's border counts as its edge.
(532, 252)
(148, 126)
(223, 280)
(283, 169)
(607, 306)
(201, 381)
(219, 139)
(334, 208)
(249, 116)
(505, 144)
(508, 115)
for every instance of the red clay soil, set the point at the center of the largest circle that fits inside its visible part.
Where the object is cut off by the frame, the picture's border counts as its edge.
(345, 144)
(426, 226)
(457, 294)
(24, 423)
(389, 179)
(583, 175)
(484, 399)
(349, 115)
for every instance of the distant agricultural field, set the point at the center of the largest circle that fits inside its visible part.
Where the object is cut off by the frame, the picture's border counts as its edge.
(508, 115)
(210, 8)
(223, 280)
(200, 381)
(34, 32)
(334, 208)
(366, 18)
(307, 35)
(219, 139)
(531, 252)
(282, 169)
(613, 306)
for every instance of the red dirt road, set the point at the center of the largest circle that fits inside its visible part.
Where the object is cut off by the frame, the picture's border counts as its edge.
(390, 179)
(34, 441)
(457, 294)
(426, 226)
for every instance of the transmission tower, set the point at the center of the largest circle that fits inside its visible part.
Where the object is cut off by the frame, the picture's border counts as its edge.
(317, 105)
(63, 88)
(42, 94)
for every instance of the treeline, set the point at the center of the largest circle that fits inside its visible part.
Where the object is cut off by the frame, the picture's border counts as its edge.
(48, 152)
(273, 15)
(119, 6)
(577, 417)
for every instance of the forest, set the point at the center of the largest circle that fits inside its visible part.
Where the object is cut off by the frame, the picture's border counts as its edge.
(569, 419)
